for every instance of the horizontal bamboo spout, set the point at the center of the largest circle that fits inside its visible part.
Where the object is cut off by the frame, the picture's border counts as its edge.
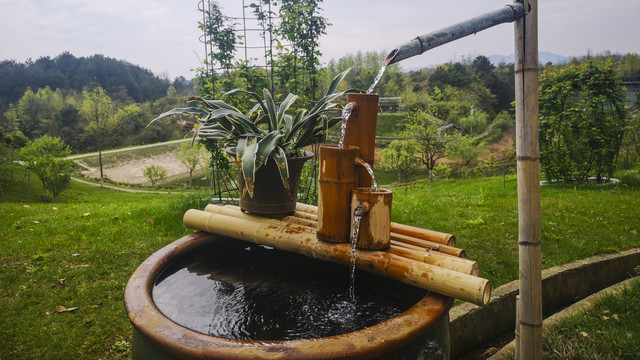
(420, 44)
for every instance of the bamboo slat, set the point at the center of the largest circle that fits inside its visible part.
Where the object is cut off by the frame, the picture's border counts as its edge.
(291, 237)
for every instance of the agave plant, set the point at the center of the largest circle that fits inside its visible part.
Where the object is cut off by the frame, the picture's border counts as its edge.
(267, 130)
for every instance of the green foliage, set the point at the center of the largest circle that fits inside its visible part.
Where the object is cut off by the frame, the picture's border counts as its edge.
(401, 158)
(45, 158)
(462, 147)
(434, 142)
(154, 173)
(266, 131)
(475, 123)
(365, 69)
(119, 78)
(631, 141)
(582, 120)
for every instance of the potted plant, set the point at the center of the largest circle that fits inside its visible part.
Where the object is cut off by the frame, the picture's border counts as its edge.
(268, 142)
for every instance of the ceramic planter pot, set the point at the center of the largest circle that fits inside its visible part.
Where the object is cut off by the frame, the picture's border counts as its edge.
(270, 198)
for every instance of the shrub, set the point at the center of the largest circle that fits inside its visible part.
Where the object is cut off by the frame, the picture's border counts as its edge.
(154, 173)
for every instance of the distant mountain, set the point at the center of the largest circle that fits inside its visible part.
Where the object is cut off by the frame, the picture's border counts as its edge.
(543, 57)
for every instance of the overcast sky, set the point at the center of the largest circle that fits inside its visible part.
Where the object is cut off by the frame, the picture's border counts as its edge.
(162, 35)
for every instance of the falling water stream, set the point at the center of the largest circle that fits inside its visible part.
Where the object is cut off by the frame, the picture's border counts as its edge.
(346, 112)
(377, 79)
(357, 218)
(373, 178)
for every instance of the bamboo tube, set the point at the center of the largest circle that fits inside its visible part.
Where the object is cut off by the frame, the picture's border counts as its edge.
(528, 173)
(374, 226)
(433, 258)
(337, 178)
(290, 238)
(428, 245)
(361, 131)
(412, 252)
(424, 234)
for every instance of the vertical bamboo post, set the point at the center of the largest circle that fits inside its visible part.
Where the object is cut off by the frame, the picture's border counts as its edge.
(528, 156)
(361, 131)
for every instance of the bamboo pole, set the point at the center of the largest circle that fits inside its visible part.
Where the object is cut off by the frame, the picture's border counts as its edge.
(291, 237)
(428, 244)
(416, 253)
(424, 234)
(528, 156)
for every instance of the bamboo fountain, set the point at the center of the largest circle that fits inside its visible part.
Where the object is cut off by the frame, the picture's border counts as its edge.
(159, 296)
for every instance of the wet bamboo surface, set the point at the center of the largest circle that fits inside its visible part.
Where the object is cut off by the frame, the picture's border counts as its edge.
(298, 238)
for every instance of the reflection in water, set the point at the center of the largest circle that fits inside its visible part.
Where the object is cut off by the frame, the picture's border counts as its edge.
(242, 291)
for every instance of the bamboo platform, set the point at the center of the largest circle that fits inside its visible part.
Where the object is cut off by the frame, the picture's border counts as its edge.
(446, 272)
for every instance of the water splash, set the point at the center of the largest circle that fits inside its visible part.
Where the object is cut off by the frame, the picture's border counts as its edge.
(357, 218)
(346, 113)
(373, 177)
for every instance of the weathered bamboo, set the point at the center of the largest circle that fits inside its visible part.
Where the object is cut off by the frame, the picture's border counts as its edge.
(528, 156)
(338, 177)
(424, 234)
(408, 251)
(374, 227)
(289, 238)
(449, 250)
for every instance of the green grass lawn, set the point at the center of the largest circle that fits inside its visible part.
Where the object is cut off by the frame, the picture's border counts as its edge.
(80, 252)
(608, 330)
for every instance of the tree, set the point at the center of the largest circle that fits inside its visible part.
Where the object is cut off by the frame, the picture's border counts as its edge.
(432, 139)
(154, 173)
(45, 157)
(462, 148)
(400, 158)
(632, 135)
(475, 123)
(582, 120)
(97, 108)
(191, 156)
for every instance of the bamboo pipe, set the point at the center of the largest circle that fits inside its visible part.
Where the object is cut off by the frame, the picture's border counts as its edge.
(424, 234)
(290, 238)
(450, 250)
(407, 251)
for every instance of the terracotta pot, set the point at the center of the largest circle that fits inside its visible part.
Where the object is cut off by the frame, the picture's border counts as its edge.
(270, 198)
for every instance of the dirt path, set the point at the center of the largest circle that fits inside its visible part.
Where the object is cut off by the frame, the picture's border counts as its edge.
(127, 168)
